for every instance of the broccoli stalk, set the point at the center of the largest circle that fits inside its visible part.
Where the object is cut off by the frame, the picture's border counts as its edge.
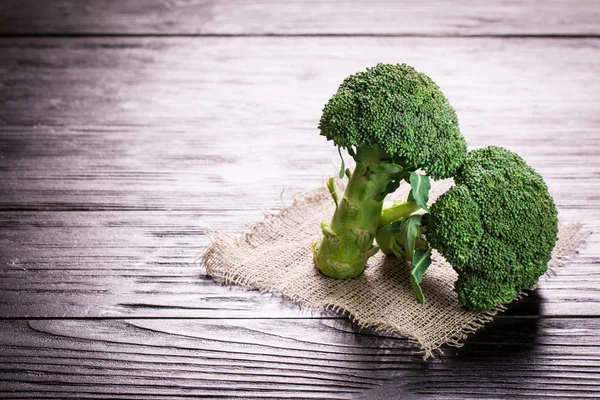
(401, 233)
(399, 122)
(496, 227)
(347, 241)
(391, 218)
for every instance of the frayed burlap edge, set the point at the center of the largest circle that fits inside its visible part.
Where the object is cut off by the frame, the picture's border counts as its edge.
(218, 263)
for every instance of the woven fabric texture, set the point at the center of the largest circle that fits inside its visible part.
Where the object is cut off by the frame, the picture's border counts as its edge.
(275, 256)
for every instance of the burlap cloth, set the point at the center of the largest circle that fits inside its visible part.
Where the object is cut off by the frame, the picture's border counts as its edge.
(275, 256)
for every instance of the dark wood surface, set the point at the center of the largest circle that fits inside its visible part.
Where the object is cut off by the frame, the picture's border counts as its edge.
(298, 17)
(126, 128)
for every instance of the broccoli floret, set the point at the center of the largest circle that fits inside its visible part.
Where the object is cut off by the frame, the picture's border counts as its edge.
(393, 121)
(496, 227)
(403, 112)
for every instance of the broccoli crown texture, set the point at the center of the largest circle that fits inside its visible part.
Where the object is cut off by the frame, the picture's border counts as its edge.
(401, 110)
(497, 227)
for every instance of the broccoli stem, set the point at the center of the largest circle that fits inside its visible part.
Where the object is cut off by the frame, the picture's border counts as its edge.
(389, 243)
(397, 211)
(347, 241)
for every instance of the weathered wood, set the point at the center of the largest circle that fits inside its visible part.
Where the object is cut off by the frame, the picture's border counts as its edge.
(122, 124)
(116, 152)
(290, 359)
(119, 264)
(260, 17)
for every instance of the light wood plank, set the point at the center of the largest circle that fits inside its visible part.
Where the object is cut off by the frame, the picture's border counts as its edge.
(141, 264)
(115, 154)
(262, 17)
(123, 124)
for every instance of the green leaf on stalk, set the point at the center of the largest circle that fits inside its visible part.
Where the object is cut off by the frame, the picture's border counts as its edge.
(421, 260)
(333, 190)
(343, 164)
(398, 251)
(391, 169)
(420, 186)
(352, 153)
(394, 227)
(409, 229)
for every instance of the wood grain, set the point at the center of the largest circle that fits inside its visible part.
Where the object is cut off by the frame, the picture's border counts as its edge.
(123, 124)
(95, 127)
(116, 152)
(262, 17)
(141, 264)
(323, 359)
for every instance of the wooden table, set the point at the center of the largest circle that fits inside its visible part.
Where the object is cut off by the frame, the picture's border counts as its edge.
(129, 127)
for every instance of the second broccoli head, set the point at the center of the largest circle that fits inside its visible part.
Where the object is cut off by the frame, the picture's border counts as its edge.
(496, 227)
(393, 121)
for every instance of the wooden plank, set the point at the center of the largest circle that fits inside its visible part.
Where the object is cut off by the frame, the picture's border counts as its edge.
(141, 264)
(100, 172)
(290, 359)
(132, 152)
(91, 125)
(261, 17)
(124, 124)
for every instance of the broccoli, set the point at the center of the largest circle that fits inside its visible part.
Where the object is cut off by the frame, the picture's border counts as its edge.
(496, 227)
(393, 121)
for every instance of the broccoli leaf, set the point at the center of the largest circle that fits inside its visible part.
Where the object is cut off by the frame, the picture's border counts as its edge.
(394, 227)
(407, 230)
(343, 167)
(420, 186)
(410, 230)
(421, 260)
(393, 170)
(333, 190)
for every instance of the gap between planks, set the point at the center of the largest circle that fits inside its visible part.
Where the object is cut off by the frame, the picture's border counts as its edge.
(76, 35)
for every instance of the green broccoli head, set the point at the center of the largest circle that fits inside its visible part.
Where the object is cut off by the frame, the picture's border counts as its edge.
(497, 227)
(400, 110)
